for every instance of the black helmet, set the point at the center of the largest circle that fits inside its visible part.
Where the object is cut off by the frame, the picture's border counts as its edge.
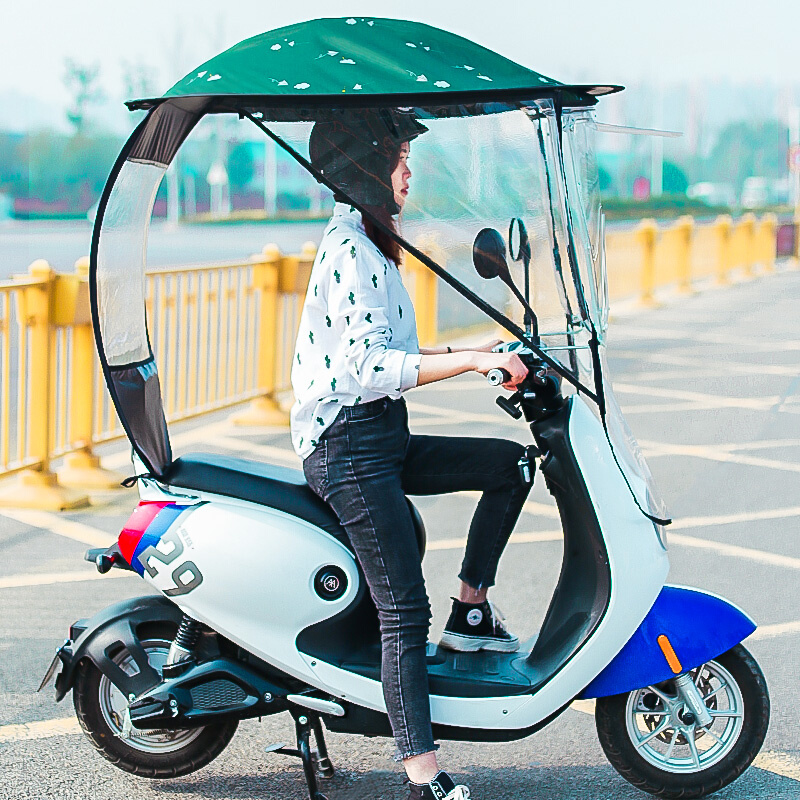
(357, 153)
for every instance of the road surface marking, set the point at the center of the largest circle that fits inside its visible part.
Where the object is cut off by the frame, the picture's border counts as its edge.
(732, 519)
(39, 730)
(516, 538)
(77, 531)
(50, 578)
(776, 629)
(735, 551)
(779, 763)
(709, 400)
(712, 453)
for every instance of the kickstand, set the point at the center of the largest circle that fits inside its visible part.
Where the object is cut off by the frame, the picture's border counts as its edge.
(313, 760)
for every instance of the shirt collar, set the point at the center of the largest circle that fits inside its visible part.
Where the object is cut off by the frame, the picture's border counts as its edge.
(346, 211)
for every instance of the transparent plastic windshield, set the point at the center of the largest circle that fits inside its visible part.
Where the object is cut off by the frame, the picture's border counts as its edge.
(586, 214)
(121, 261)
(471, 168)
(628, 454)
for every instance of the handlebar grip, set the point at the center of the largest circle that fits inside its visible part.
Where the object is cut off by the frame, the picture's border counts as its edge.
(496, 377)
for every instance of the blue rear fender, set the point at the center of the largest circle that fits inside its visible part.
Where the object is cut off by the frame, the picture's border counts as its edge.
(699, 627)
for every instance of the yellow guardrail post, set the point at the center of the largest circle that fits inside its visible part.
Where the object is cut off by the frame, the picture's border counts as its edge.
(722, 229)
(71, 307)
(647, 233)
(684, 227)
(424, 298)
(37, 487)
(766, 242)
(747, 236)
(265, 410)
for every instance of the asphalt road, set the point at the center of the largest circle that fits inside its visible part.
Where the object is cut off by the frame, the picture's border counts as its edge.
(710, 385)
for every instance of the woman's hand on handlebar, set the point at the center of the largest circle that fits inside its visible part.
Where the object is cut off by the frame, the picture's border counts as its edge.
(483, 362)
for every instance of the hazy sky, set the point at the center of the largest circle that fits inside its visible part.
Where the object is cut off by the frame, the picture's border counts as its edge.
(615, 41)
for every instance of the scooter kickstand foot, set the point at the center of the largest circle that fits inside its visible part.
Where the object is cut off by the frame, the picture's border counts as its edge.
(320, 755)
(311, 759)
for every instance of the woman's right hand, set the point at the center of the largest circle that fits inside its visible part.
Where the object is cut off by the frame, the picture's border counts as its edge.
(483, 362)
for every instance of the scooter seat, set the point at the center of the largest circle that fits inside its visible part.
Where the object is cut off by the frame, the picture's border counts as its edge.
(282, 488)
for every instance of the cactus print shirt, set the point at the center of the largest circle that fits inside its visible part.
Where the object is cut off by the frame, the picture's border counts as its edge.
(357, 339)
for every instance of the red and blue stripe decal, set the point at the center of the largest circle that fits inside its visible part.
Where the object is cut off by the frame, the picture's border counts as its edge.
(148, 523)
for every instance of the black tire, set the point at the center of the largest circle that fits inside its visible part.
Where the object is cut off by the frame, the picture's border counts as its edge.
(210, 741)
(610, 718)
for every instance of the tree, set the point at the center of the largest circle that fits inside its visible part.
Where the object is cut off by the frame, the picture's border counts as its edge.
(750, 149)
(81, 81)
(673, 179)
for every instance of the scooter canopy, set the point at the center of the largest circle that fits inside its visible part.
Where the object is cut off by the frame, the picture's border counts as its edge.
(493, 145)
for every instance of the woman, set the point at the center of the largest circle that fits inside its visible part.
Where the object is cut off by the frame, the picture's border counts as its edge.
(356, 353)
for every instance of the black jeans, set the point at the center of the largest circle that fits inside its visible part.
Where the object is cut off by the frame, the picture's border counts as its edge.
(364, 465)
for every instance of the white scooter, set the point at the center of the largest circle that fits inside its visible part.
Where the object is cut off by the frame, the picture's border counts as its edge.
(262, 608)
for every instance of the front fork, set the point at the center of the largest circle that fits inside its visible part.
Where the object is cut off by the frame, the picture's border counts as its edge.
(689, 694)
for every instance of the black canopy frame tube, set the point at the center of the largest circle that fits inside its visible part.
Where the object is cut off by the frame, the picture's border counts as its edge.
(497, 316)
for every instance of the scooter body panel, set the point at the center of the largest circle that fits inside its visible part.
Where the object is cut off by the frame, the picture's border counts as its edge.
(258, 566)
(698, 625)
(248, 572)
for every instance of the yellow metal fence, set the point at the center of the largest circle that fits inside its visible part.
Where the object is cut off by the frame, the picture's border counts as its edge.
(224, 334)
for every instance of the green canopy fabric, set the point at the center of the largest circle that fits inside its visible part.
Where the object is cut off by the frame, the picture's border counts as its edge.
(362, 56)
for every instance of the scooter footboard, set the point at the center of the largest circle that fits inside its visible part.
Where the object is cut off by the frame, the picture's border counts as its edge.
(684, 629)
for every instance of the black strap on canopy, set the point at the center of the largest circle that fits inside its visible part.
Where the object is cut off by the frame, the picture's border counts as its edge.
(464, 291)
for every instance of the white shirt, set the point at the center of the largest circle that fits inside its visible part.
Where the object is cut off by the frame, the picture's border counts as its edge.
(357, 339)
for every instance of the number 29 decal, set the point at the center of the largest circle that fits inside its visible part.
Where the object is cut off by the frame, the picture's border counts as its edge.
(185, 575)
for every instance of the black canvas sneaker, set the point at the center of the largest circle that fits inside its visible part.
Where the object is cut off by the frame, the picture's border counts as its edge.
(441, 787)
(477, 626)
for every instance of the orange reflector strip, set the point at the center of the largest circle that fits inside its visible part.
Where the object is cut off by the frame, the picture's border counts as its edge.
(669, 654)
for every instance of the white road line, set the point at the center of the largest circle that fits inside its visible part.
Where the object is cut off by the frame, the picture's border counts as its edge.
(732, 519)
(50, 578)
(266, 451)
(712, 400)
(712, 453)
(516, 538)
(39, 730)
(77, 531)
(584, 706)
(776, 629)
(779, 764)
(734, 551)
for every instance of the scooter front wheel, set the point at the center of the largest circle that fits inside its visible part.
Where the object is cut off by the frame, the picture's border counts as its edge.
(654, 741)
(100, 708)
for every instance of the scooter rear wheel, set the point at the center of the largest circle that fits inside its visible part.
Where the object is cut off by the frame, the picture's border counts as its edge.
(100, 706)
(653, 741)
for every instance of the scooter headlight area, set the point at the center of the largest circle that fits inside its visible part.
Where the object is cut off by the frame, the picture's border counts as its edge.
(503, 205)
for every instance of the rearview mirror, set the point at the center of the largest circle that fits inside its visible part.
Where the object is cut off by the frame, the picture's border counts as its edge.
(489, 255)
